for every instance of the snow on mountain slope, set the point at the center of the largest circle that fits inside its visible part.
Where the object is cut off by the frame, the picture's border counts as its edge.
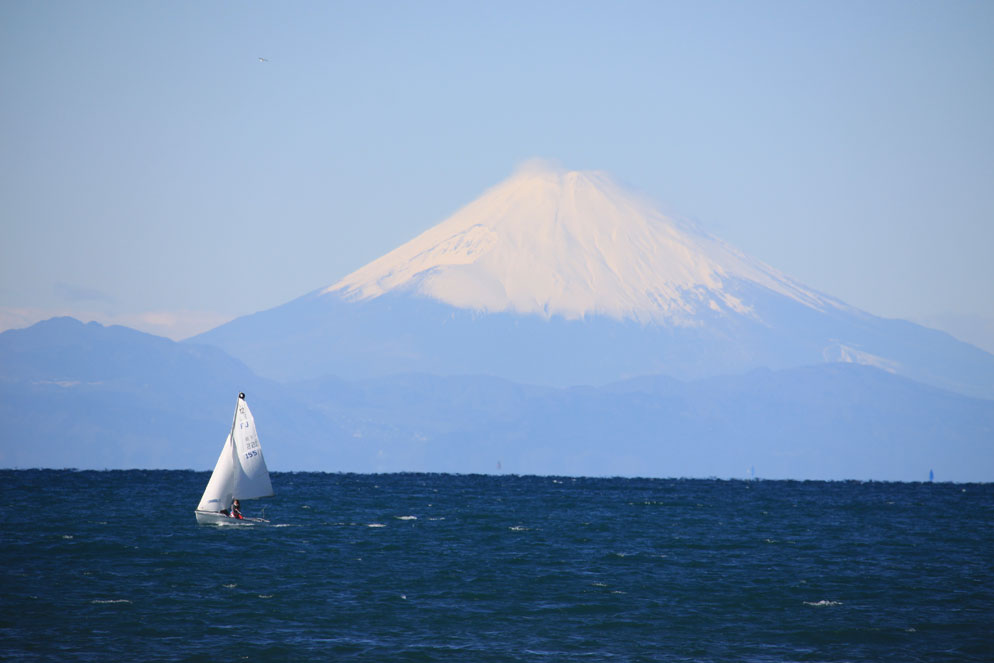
(564, 278)
(570, 244)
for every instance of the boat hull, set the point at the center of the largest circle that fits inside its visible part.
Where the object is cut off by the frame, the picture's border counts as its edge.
(218, 518)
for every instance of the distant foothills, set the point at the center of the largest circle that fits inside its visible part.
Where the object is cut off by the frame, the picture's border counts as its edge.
(76, 395)
(557, 325)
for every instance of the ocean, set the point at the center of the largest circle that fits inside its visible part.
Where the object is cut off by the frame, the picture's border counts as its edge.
(101, 566)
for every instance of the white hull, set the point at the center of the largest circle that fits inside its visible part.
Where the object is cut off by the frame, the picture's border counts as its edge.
(218, 518)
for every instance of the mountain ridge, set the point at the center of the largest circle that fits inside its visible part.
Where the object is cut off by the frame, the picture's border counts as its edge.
(173, 409)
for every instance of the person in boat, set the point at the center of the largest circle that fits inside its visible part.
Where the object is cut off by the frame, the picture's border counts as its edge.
(236, 509)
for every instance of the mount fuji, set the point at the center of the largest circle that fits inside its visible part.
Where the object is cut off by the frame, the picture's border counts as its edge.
(564, 278)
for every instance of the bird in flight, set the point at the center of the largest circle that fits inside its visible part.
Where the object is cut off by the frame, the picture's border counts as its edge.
(263, 60)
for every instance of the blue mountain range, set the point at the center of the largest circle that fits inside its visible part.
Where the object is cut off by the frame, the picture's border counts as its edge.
(87, 396)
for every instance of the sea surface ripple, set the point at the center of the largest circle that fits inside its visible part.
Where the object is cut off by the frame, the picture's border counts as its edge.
(101, 566)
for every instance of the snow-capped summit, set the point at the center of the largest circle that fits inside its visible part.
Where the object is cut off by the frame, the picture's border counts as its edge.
(564, 278)
(570, 244)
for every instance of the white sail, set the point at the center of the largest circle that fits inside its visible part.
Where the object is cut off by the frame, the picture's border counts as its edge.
(251, 473)
(220, 489)
(240, 472)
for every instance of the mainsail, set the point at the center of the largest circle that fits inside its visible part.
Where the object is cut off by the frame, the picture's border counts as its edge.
(240, 472)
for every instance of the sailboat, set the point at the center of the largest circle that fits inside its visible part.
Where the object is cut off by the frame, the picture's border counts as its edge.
(240, 472)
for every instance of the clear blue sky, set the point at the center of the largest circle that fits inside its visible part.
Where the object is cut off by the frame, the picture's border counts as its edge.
(151, 166)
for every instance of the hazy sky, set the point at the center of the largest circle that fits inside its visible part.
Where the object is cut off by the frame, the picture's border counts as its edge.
(153, 171)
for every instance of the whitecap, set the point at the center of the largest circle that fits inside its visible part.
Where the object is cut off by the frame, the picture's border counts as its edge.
(375, 525)
(823, 603)
(110, 601)
(406, 517)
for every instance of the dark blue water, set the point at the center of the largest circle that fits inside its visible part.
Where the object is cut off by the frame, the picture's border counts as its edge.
(101, 566)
